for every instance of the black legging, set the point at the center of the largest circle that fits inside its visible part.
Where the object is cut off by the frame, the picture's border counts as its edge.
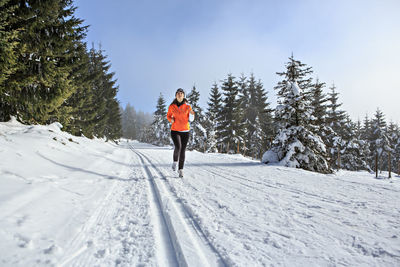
(180, 141)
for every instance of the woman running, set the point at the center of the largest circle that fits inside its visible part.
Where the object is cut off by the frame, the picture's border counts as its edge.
(179, 114)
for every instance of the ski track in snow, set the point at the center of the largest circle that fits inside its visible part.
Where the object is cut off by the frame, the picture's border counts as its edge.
(191, 245)
(310, 214)
(81, 202)
(119, 230)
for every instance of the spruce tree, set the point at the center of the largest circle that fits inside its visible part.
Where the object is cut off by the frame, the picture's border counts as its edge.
(8, 56)
(104, 90)
(257, 117)
(296, 77)
(78, 112)
(366, 130)
(296, 145)
(160, 127)
(318, 100)
(113, 129)
(50, 40)
(393, 133)
(354, 154)
(335, 119)
(213, 118)
(231, 126)
(248, 103)
(379, 141)
(198, 136)
(264, 120)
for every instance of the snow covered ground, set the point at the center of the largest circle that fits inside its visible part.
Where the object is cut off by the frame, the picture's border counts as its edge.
(71, 201)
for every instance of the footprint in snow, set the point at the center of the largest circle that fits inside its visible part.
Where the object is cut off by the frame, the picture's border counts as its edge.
(23, 242)
(52, 249)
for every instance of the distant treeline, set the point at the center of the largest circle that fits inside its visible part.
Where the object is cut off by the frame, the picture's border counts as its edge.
(48, 74)
(134, 123)
(307, 129)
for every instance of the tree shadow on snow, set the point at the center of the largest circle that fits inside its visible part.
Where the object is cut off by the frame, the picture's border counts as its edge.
(109, 177)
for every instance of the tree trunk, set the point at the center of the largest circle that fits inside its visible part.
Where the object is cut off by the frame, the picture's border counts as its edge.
(398, 169)
(376, 165)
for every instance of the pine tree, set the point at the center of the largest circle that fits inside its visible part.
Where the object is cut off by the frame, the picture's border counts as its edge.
(295, 78)
(78, 112)
(50, 43)
(113, 129)
(265, 123)
(257, 115)
(8, 57)
(355, 151)
(336, 121)
(231, 126)
(393, 133)
(107, 122)
(159, 128)
(379, 141)
(248, 103)
(295, 144)
(213, 118)
(366, 130)
(318, 100)
(198, 136)
(335, 116)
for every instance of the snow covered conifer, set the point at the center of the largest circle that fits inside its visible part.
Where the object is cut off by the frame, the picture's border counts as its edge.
(231, 126)
(198, 136)
(160, 126)
(379, 141)
(264, 122)
(335, 119)
(318, 100)
(213, 116)
(296, 145)
(393, 133)
(355, 151)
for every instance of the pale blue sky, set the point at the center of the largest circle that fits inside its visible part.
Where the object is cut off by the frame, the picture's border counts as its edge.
(158, 46)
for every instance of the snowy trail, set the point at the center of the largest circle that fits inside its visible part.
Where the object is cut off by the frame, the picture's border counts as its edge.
(190, 243)
(73, 201)
(271, 214)
(81, 202)
(119, 232)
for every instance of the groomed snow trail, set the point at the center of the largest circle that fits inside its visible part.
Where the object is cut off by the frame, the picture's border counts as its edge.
(72, 201)
(191, 246)
(119, 230)
(259, 215)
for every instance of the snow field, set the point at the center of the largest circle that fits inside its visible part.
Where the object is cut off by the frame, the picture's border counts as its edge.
(265, 215)
(71, 201)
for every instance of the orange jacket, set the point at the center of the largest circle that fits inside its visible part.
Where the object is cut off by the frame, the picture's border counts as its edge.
(180, 115)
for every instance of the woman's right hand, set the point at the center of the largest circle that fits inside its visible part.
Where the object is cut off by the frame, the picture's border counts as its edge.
(172, 120)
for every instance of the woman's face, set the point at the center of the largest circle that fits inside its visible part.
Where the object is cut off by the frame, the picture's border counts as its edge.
(180, 96)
